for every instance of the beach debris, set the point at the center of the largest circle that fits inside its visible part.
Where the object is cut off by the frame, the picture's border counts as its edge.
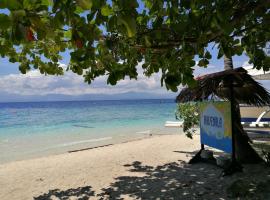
(40, 179)
(83, 126)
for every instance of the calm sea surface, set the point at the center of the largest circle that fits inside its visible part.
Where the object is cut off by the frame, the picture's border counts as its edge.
(42, 128)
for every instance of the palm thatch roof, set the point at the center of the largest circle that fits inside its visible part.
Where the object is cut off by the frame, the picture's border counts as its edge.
(246, 89)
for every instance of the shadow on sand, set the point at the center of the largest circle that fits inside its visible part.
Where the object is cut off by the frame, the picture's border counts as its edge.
(81, 193)
(176, 180)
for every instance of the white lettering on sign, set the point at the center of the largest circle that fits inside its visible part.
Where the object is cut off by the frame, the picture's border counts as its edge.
(212, 121)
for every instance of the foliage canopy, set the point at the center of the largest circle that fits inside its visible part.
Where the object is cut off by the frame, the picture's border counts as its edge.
(112, 37)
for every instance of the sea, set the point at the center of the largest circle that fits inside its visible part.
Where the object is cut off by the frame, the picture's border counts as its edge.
(35, 129)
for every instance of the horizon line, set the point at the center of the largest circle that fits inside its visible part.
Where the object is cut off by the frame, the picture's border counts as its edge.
(126, 99)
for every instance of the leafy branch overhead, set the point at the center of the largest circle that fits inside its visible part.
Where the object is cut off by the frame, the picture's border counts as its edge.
(112, 37)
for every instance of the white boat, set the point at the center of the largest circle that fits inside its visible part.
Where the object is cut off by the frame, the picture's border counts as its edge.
(253, 116)
(173, 124)
(257, 74)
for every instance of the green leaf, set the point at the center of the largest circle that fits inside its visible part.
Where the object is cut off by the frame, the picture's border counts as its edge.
(47, 2)
(106, 10)
(68, 34)
(228, 28)
(18, 33)
(238, 50)
(203, 62)
(148, 3)
(79, 10)
(220, 53)
(112, 79)
(192, 63)
(24, 67)
(17, 14)
(91, 16)
(10, 4)
(85, 4)
(12, 60)
(129, 22)
(147, 41)
(112, 23)
(207, 55)
(30, 4)
(171, 82)
(4, 21)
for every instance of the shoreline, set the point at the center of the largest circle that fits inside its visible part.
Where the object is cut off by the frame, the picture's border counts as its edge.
(87, 146)
(97, 167)
(30, 130)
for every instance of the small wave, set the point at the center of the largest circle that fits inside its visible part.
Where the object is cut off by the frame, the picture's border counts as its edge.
(83, 126)
(144, 132)
(84, 141)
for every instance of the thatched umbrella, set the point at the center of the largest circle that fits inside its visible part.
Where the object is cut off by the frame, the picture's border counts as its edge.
(245, 90)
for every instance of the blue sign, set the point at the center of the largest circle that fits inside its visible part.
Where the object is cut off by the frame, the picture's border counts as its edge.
(215, 125)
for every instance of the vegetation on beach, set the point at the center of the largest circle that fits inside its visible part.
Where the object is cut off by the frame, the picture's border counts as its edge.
(189, 113)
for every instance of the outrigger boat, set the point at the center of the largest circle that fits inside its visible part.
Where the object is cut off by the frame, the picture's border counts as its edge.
(252, 116)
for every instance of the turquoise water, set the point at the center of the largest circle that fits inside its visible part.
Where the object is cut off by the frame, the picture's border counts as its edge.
(42, 128)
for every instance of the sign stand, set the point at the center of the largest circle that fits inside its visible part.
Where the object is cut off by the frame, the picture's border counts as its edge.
(234, 166)
(197, 158)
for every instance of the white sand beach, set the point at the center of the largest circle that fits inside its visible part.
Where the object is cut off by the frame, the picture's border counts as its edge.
(151, 168)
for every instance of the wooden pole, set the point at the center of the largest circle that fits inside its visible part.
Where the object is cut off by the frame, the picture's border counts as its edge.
(234, 166)
(232, 100)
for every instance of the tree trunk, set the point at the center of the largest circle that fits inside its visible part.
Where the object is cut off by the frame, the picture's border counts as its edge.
(228, 63)
(243, 150)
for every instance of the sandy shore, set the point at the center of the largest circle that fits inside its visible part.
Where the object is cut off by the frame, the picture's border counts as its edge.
(152, 168)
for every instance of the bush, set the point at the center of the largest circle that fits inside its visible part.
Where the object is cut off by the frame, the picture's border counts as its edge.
(189, 113)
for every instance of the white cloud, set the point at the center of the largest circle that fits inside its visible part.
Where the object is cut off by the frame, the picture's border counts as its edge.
(246, 64)
(34, 83)
(199, 71)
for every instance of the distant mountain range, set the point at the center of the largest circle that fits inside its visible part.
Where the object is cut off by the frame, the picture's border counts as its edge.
(5, 97)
